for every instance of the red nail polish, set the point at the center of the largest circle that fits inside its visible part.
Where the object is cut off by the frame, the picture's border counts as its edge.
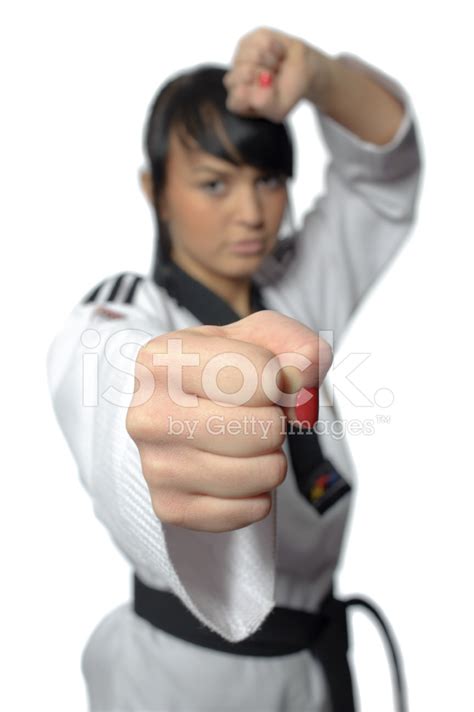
(265, 79)
(309, 410)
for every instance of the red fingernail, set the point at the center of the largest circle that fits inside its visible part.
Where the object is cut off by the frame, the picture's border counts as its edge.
(309, 410)
(265, 79)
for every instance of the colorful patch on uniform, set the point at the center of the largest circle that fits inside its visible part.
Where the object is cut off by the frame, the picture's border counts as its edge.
(326, 487)
(107, 313)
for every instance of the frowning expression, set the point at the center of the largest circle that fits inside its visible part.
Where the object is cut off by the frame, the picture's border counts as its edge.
(212, 205)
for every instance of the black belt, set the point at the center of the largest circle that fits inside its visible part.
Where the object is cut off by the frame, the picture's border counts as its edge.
(285, 630)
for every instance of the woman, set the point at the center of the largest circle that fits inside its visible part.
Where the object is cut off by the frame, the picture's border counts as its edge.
(223, 530)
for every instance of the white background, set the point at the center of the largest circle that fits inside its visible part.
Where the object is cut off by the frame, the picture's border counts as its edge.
(77, 79)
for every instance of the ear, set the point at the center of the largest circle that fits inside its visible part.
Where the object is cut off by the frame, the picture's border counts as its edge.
(146, 182)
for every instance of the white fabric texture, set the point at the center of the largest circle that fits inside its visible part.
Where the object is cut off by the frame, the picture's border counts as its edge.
(232, 580)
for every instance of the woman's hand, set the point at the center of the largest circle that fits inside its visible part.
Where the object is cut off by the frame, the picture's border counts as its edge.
(296, 68)
(211, 463)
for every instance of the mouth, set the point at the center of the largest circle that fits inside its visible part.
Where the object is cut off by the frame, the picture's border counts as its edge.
(247, 247)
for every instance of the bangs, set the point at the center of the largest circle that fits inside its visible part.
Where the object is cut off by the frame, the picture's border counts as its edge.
(196, 110)
(237, 139)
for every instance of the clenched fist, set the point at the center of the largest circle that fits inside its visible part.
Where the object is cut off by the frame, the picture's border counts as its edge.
(210, 436)
(296, 70)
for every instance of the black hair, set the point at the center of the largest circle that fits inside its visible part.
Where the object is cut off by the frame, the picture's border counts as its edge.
(193, 103)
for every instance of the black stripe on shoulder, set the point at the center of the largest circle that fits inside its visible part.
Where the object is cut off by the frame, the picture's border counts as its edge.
(112, 292)
(115, 287)
(132, 289)
(92, 295)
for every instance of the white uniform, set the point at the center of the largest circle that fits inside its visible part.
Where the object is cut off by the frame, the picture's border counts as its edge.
(229, 580)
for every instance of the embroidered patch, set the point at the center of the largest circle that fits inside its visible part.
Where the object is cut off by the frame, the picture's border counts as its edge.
(326, 487)
(107, 313)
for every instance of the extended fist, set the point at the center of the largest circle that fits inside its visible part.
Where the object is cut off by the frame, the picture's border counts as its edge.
(210, 436)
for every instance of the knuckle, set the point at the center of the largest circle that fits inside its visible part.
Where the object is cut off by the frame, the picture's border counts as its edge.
(143, 351)
(158, 422)
(277, 431)
(325, 353)
(281, 467)
(228, 79)
(266, 37)
(273, 433)
(325, 347)
(261, 507)
(140, 426)
(147, 350)
(167, 507)
(272, 470)
(248, 73)
(156, 469)
(147, 424)
(243, 72)
(263, 32)
(159, 509)
(261, 101)
(131, 424)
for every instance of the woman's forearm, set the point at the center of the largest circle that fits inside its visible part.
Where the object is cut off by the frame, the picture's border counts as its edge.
(352, 98)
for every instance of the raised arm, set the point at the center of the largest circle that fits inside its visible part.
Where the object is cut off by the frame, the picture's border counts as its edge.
(368, 207)
(353, 98)
(355, 228)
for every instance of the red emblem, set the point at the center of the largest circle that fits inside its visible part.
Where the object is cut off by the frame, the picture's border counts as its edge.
(107, 313)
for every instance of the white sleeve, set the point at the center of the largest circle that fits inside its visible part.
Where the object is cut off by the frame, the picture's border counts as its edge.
(226, 579)
(357, 225)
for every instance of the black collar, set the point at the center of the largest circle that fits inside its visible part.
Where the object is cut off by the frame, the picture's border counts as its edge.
(206, 305)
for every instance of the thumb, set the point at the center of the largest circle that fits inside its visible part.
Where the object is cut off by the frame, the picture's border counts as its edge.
(304, 357)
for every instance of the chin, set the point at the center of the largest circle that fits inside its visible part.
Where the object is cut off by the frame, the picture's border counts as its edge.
(242, 266)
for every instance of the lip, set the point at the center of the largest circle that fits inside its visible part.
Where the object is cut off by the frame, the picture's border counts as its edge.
(247, 247)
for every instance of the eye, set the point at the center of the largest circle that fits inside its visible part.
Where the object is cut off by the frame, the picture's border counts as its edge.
(209, 186)
(272, 180)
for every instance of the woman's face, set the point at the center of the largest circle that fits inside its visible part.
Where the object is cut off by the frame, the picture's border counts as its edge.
(210, 205)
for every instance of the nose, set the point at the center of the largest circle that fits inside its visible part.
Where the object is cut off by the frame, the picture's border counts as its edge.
(249, 207)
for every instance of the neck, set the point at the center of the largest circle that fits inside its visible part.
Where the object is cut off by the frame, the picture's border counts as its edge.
(236, 291)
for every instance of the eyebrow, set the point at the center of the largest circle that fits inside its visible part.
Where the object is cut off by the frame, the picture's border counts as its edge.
(211, 169)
